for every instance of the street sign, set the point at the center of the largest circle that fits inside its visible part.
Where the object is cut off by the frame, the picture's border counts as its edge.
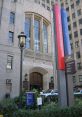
(70, 66)
(30, 98)
(39, 101)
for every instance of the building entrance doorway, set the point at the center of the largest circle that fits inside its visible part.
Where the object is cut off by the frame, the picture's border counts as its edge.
(36, 81)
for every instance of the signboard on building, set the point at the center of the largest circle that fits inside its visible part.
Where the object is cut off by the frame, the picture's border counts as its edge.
(25, 84)
(30, 98)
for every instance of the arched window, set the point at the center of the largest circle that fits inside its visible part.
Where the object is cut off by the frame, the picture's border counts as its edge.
(37, 35)
(28, 31)
(45, 38)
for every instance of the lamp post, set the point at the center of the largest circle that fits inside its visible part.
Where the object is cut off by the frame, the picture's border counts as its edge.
(22, 42)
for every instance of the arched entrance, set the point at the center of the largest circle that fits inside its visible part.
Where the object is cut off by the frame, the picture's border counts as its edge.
(36, 81)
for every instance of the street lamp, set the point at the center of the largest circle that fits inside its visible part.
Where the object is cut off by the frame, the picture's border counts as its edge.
(22, 42)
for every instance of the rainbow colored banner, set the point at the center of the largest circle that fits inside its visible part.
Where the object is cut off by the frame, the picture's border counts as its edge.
(67, 47)
(59, 37)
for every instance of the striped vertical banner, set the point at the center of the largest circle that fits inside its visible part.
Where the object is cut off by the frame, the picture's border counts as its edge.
(67, 47)
(59, 37)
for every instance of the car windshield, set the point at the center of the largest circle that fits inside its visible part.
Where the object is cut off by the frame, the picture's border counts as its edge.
(47, 91)
(55, 91)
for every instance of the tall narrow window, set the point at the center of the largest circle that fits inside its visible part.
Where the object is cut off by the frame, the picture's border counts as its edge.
(79, 12)
(28, 31)
(80, 31)
(78, 55)
(74, 24)
(11, 37)
(12, 18)
(45, 38)
(76, 34)
(9, 62)
(37, 35)
(80, 21)
(72, 6)
(77, 44)
(74, 79)
(80, 78)
(73, 15)
(79, 66)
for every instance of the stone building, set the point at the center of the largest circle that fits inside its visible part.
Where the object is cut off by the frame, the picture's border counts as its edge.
(34, 18)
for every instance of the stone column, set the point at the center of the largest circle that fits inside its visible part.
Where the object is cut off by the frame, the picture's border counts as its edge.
(32, 32)
(49, 38)
(41, 35)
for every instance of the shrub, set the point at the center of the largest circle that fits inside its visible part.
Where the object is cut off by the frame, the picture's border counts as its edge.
(7, 107)
(51, 112)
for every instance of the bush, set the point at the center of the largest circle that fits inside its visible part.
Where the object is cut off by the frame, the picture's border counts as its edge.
(7, 107)
(51, 112)
(78, 101)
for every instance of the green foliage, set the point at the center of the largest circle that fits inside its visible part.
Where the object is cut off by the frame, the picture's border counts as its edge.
(7, 107)
(51, 112)
(78, 101)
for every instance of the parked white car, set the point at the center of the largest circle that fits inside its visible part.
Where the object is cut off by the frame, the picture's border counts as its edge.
(78, 92)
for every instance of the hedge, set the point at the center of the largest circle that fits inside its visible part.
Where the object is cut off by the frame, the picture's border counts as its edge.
(56, 112)
(10, 109)
(52, 112)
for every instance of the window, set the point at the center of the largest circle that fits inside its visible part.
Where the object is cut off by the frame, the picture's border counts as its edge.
(37, 35)
(12, 18)
(79, 66)
(37, 1)
(62, 4)
(77, 2)
(80, 31)
(77, 44)
(74, 79)
(48, 8)
(13, 0)
(45, 38)
(81, 41)
(79, 12)
(73, 15)
(80, 21)
(67, 9)
(69, 27)
(80, 78)
(74, 24)
(11, 37)
(68, 19)
(52, 3)
(9, 62)
(72, 6)
(75, 34)
(70, 36)
(47, 1)
(78, 55)
(28, 31)
(43, 4)
(71, 46)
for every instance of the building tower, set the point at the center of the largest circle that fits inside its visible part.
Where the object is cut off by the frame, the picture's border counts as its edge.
(74, 11)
